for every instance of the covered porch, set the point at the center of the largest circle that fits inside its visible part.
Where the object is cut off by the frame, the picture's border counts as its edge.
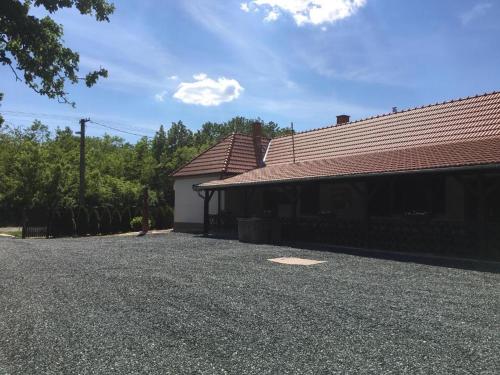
(452, 212)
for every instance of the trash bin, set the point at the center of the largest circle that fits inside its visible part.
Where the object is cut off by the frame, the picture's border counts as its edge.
(258, 230)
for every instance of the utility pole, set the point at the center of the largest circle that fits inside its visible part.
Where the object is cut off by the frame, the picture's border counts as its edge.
(81, 199)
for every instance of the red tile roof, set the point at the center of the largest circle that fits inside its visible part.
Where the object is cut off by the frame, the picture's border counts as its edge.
(234, 154)
(471, 118)
(463, 132)
(469, 153)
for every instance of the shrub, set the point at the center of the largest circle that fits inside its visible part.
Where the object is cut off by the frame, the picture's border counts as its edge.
(136, 223)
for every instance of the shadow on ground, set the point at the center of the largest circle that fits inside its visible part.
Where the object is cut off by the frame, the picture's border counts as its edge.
(471, 264)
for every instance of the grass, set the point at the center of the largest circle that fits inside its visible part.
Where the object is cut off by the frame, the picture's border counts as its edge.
(16, 233)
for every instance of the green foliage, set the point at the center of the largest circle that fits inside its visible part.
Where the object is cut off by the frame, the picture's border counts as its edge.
(211, 132)
(136, 223)
(178, 136)
(40, 169)
(160, 144)
(33, 47)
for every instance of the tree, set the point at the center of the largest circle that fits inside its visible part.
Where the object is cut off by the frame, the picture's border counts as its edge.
(212, 132)
(33, 47)
(39, 170)
(178, 136)
(159, 144)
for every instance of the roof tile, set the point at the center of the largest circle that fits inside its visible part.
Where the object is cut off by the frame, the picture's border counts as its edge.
(468, 153)
(234, 154)
(462, 132)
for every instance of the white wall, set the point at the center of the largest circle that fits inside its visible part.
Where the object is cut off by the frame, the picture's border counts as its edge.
(188, 204)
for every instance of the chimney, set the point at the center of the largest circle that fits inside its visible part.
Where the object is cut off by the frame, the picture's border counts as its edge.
(342, 119)
(257, 143)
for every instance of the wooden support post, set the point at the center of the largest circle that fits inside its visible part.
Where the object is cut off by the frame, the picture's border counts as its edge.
(245, 202)
(219, 195)
(481, 215)
(364, 195)
(392, 197)
(429, 194)
(206, 215)
(294, 198)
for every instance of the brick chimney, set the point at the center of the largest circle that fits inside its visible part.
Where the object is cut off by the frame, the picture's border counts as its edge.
(343, 119)
(257, 143)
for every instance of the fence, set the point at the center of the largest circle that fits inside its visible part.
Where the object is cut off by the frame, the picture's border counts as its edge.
(434, 236)
(90, 221)
(398, 234)
(34, 232)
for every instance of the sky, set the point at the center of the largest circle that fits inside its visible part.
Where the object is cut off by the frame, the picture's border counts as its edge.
(300, 61)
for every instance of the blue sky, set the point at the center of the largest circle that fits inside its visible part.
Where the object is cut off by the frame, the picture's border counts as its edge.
(281, 60)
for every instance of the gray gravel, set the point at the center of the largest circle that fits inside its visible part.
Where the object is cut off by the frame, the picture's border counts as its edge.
(176, 304)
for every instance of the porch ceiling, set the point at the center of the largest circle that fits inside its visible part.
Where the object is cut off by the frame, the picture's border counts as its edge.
(472, 153)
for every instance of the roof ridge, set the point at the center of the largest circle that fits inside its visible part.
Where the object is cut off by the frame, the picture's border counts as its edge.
(413, 147)
(393, 113)
(229, 151)
(200, 154)
(250, 135)
(355, 165)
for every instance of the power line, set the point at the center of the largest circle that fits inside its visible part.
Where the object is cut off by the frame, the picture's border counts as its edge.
(23, 125)
(66, 118)
(120, 130)
(33, 114)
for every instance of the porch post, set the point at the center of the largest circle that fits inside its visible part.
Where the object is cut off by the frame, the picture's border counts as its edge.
(245, 202)
(206, 217)
(294, 211)
(391, 192)
(481, 215)
(218, 208)
(364, 195)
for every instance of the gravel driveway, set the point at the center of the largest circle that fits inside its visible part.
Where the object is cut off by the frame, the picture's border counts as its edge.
(176, 304)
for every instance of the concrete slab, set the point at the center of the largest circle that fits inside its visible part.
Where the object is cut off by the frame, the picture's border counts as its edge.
(296, 261)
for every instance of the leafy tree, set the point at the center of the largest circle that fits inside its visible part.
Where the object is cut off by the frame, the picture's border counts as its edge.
(178, 136)
(212, 132)
(40, 169)
(159, 144)
(25, 168)
(33, 47)
(144, 163)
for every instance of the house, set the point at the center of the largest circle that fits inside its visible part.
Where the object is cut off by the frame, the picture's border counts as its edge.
(423, 179)
(235, 154)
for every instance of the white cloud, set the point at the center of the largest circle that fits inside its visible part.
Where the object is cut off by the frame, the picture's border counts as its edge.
(173, 78)
(272, 16)
(207, 92)
(315, 12)
(477, 11)
(200, 76)
(244, 7)
(160, 97)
